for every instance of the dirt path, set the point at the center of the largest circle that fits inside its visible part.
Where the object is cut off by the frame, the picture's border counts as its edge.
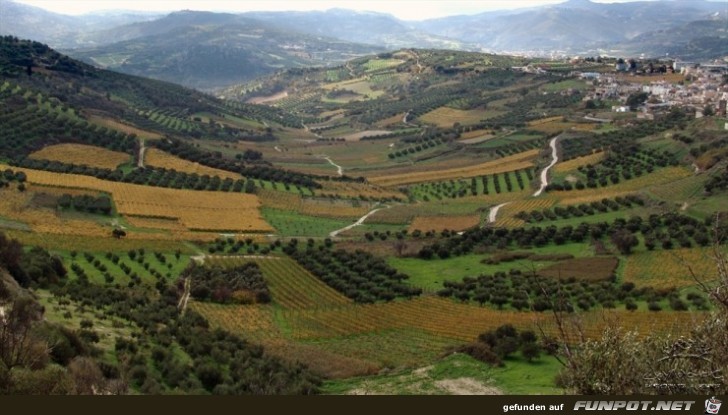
(493, 214)
(182, 305)
(200, 259)
(339, 169)
(357, 223)
(142, 150)
(545, 172)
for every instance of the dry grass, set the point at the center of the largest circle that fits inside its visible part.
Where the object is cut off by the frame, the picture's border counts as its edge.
(505, 164)
(82, 154)
(158, 158)
(446, 117)
(671, 78)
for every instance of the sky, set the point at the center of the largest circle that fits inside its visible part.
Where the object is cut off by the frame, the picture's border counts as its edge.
(403, 9)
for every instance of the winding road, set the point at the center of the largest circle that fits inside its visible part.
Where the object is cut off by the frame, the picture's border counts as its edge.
(545, 172)
(493, 214)
(357, 223)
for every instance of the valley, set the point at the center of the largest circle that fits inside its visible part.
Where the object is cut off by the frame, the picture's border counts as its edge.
(414, 220)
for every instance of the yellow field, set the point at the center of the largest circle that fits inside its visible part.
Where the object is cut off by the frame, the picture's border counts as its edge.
(125, 128)
(575, 163)
(505, 164)
(154, 223)
(18, 206)
(506, 214)
(446, 117)
(158, 158)
(669, 268)
(439, 223)
(104, 243)
(82, 154)
(252, 321)
(355, 190)
(196, 210)
(658, 177)
(476, 133)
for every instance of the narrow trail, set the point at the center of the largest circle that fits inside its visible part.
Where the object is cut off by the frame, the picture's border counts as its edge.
(182, 305)
(200, 259)
(142, 150)
(339, 169)
(545, 172)
(361, 220)
(493, 213)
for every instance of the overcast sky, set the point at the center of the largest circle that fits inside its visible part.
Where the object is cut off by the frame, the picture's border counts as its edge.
(404, 9)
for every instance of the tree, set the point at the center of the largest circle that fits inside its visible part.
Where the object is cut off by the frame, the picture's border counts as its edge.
(624, 240)
(636, 99)
(118, 233)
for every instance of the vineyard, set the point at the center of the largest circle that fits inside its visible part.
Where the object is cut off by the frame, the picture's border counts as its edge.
(291, 286)
(440, 223)
(516, 162)
(670, 268)
(83, 155)
(197, 210)
(575, 163)
(158, 158)
(506, 182)
(319, 207)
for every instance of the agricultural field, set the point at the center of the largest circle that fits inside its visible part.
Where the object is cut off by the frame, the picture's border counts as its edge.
(83, 155)
(158, 158)
(506, 164)
(197, 210)
(379, 225)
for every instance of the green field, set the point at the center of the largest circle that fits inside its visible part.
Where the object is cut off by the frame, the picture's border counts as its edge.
(459, 374)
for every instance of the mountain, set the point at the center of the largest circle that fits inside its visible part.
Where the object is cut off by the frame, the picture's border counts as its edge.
(208, 50)
(59, 30)
(698, 40)
(360, 27)
(576, 25)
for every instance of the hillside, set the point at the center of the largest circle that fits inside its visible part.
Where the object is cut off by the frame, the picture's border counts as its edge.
(415, 221)
(206, 50)
(575, 26)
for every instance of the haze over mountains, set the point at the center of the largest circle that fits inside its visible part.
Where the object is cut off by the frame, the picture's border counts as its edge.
(208, 50)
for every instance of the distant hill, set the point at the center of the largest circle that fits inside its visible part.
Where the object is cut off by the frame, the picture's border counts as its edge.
(361, 27)
(576, 25)
(209, 50)
(59, 30)
(702, 39)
